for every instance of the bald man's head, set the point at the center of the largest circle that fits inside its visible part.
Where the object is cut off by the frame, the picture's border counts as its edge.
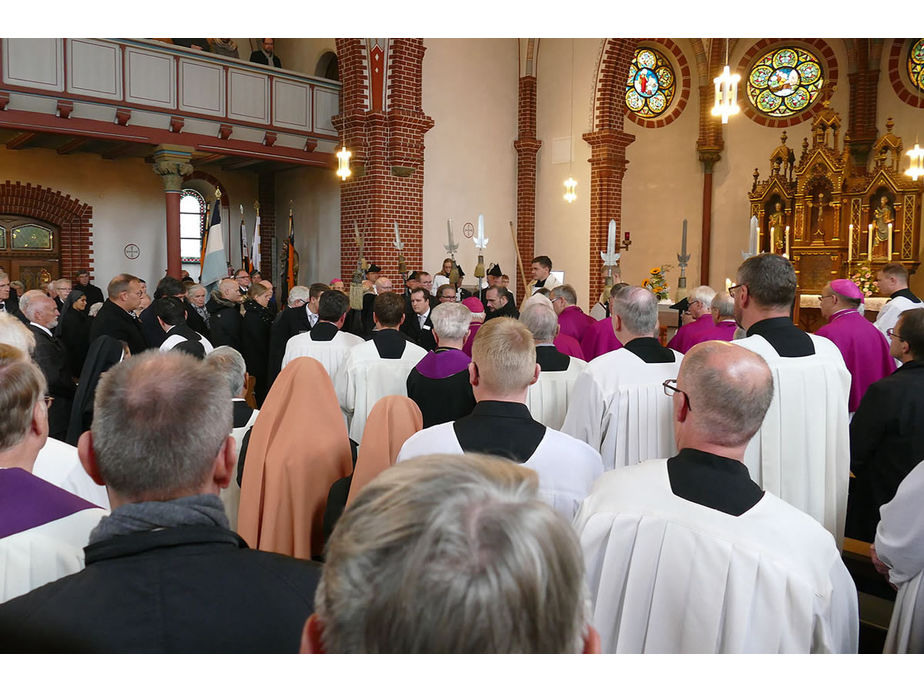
(730, 390)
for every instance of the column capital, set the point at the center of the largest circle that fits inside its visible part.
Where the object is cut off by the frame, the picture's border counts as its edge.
(172, 163)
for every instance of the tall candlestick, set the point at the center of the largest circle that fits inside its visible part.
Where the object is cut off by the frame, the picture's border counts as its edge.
(683, 240)
(481, 225)
(772, 239)
(611, 237)
(752, 239)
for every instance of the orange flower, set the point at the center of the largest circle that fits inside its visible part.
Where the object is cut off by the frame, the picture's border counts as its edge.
(655, 270)
(644, 282)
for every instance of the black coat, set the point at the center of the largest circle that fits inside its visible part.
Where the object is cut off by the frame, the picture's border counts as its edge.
(259, 57)
(75, 334)
(196, 321)
(422, 337)
(886, 442)
(225, 320)
(290, 322)
(51, 357)
(114, 322)
(93, 293)
(188, 589)
(255, 337)
(154, 334)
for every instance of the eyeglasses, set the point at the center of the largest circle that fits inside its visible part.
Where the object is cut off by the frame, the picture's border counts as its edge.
(823, 297)
(48, 400)
(669, 390)
(731, 289)
(892, 333)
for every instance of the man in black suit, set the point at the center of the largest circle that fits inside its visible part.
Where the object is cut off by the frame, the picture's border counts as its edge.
(167, 287)
(161, 431)
(417, 324)
(115, 318)
(300, 315)
(225, 319)
(51, 356)
(93, 293)
(265, 56)
(9, 303)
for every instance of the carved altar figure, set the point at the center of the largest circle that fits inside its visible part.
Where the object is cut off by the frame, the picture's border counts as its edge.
(777, 229)
(818, 213)
(883, 219)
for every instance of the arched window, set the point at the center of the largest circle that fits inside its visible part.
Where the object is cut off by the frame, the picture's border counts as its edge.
(192, 225)
(916, 64)
(785, 81)
(651, 84)
(328, 67)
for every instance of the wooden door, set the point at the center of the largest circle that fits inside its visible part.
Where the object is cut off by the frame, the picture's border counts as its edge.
(29, 250)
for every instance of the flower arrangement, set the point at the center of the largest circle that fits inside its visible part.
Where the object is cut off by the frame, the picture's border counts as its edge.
(657, 284)
(864, 279)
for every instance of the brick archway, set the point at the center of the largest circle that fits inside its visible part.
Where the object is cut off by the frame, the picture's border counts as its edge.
(73, 217)
(608, 142)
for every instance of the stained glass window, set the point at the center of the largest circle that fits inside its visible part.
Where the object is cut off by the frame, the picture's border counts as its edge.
(2, 238)
(916, 64)
(32, 237)
(192, 224)
(650, 87)
(785, 81)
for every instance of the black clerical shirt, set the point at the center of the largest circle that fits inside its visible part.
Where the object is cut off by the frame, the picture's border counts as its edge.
(649, 350)
(716, 482)
(505, 429)
(786, 339)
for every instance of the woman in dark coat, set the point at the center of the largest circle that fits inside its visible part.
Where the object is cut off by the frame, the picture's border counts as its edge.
(74, 329)
(103, 354)
(255, 336)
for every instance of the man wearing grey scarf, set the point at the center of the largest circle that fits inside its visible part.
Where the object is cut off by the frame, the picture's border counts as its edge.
(164, 573)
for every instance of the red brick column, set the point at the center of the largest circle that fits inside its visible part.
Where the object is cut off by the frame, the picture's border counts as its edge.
(608, 161)
(266, 196)
(527, 147)
(709, 147)
(388, 157)
(861, 114)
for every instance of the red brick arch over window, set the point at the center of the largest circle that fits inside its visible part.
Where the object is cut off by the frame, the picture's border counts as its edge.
(898, 74)
(819, 47)
(73, 217)
(681, 68)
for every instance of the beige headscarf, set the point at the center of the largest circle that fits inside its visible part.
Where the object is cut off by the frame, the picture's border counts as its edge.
(391, 422)
(298, 448)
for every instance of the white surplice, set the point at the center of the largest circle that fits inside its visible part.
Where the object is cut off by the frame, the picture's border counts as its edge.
(175, 339)
(231, 496)
(802, 451)
(567, 468)
(549, 396)
(667, 575)
(58, 464)
(900, 545)
(331, 353)
(366, 378)
(892, 310)
(618, 407)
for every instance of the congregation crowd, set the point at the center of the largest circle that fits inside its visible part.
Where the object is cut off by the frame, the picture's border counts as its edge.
(443, 470)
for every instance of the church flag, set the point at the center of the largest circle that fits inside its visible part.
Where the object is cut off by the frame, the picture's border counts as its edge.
(214, 263)
(245, 255)
(204, 243)
(291, 277)
(255, 246)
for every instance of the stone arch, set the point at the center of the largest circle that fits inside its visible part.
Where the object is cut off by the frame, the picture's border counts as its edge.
(71, 216)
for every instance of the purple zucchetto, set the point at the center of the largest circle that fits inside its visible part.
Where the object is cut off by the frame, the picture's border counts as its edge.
(847, 289)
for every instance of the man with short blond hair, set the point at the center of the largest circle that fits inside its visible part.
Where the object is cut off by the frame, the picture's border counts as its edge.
(502, 369)
(689, 555)
(893, 282)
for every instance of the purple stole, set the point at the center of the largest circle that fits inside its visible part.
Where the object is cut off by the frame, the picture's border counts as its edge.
(865, 351)
(723, 332)
(27, 502)
(443, 364)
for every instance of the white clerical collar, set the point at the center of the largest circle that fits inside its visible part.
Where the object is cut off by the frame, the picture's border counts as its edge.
(42, 327)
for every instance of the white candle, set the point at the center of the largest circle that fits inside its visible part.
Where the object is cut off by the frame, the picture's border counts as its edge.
(772, 239)
(728, 283)
(850, 244)
(481, 226)
(683, 241)
(787, 241)
(397, 237)
(611, 237)
(752, 239)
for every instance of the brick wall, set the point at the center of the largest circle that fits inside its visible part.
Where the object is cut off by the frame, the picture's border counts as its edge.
(388, 157)
(73, 218)
(608, 143)
(266, 196)
(527, 147)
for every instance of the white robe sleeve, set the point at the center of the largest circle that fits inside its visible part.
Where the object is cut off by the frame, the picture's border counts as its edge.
(586, 410)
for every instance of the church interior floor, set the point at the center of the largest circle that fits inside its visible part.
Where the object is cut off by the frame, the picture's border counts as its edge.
(876, 597)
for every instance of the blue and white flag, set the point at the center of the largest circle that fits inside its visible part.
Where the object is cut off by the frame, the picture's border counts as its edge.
(214, 264)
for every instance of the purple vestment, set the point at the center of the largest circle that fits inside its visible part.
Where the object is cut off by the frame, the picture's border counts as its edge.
(442, 364)
(473, 330)
(574, 322)
(691, 334)
(27, 501)
(865, 352)
(568, 345)
(723, 332)
(599, 339)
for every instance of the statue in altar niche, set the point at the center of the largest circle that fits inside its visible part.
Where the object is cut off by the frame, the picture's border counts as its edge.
(778, 230)
(881, 230)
